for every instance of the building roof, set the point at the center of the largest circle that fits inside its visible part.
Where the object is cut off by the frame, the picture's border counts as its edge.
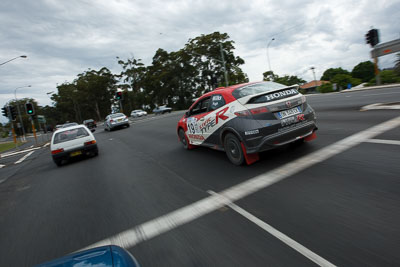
(313, 84)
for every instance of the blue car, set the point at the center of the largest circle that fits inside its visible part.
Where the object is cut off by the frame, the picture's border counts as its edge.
(106, 256)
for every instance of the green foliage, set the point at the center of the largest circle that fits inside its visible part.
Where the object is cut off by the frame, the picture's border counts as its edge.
(325, 88)
(364, 71)
(332, 72)
(342, 80)
(286, 80)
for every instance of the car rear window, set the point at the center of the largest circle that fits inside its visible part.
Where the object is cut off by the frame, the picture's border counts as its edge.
(116, 115)
(256, 88)
(69, 135)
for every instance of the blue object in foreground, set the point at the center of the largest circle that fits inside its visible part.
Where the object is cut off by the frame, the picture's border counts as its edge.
(107, 256)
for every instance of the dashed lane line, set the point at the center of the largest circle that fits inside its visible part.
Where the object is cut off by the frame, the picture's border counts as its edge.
(24, 157)
(1, 166)
(382, 141)
(279, 235)
(174, 219)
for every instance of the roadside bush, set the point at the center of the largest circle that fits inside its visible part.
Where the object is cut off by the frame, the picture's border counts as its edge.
(325, 88)
(387, 77)
(342, 80)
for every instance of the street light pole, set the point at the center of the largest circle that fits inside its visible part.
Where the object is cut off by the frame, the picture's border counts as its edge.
(19, 112)
(269, 63)
(23, 56)
(315, 79)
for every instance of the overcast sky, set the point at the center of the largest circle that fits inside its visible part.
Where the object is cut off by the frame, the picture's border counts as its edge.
(65, 38)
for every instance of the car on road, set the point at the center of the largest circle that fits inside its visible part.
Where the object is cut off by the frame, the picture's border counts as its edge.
(69, 124)
(58, 126)
(245, 119)
(115, 120)
(138, 113)
(72, 142)
(91, 124)
(162, 110)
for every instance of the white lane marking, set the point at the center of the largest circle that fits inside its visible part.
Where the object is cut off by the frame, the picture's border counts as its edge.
(383, 94)
(382, 141)
(1, 166)
(24, 157)
(18, 152)
(46, 144)
(379, 106)
(167, 222)
(281, 236)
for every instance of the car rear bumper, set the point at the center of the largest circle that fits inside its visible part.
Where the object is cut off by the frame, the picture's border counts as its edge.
(85, 151)
(119, 124)
(282, 137)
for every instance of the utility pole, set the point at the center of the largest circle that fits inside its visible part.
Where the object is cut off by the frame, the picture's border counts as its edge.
(223, 62)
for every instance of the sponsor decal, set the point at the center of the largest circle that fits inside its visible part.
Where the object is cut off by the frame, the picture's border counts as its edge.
(300, 117)
(206, 125)
(216, 98)
(196, 137)
(280, 94)
(220, 115)
(252, 132)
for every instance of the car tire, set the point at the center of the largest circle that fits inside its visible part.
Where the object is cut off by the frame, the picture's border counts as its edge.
(128, 125)
(58, 163)
(183, 139)
(233, 149)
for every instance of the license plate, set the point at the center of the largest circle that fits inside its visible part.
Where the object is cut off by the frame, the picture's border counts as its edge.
(119, 120)
(287, 113)
(76, 153)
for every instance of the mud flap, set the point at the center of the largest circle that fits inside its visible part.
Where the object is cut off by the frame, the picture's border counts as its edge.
(310, 137)
(250, 158)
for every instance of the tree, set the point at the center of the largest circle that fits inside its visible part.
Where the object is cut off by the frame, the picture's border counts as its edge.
(325, 88)
(286, 80)
(342, 80)
(364, 71)
(330, 73)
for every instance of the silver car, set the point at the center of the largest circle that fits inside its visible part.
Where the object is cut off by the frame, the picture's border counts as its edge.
(115, 120)
(138, 113)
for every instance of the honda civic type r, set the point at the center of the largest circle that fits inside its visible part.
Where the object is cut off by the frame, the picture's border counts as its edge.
(245, 119)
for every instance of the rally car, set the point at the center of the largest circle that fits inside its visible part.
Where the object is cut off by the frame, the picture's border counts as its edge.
(245, 119)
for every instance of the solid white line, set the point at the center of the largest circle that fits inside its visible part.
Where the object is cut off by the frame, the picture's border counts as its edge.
(46, 144)
(165, 223)
(381, 141)
(281, 236)
(24, 157)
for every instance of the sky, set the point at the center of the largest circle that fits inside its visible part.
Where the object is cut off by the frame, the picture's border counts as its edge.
(64, 38)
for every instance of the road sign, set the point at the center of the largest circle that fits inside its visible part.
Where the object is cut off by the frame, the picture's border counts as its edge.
(41, 119)
(386, 48)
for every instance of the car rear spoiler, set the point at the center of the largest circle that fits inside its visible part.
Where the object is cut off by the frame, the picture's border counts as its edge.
(245, 100)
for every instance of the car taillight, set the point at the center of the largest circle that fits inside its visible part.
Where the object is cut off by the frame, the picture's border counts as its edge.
(57, 151)
(242, 113)
(90, 142)
(111, 121)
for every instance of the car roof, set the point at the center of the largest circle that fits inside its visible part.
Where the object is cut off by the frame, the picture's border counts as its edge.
(70, 128)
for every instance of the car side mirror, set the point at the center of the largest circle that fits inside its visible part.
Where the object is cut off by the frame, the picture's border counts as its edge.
(187, 113)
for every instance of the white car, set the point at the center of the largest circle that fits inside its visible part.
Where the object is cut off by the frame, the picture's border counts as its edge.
(138, 113)
(72, 142)
(115, 120)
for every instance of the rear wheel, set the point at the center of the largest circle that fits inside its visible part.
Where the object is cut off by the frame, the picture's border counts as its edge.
(58, 162)
(183, 139)
(233, 149)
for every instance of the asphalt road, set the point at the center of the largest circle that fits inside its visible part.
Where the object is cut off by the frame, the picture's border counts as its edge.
(295, 207)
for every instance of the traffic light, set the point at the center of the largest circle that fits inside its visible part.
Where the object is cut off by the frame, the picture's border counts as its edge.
(119, 96)
(4, 111)
(13, 113)
(372, 37)
(30, 110)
